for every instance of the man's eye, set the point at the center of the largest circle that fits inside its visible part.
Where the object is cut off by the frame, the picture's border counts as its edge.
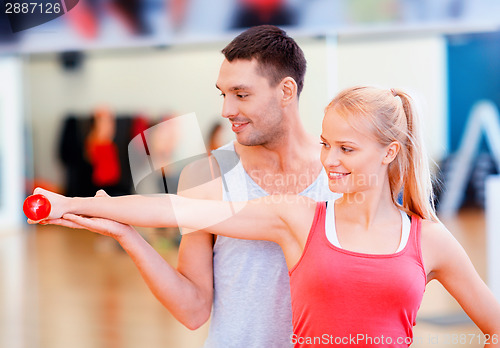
(222, 95)
(241, 96)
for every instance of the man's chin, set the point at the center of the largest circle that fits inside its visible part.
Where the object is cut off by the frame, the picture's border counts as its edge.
(245, 141)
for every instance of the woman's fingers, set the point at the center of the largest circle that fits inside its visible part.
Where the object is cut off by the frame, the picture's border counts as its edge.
(58, 222)
(81, 221)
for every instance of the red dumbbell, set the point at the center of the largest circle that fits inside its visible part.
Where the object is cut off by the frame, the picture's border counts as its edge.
(36, 207)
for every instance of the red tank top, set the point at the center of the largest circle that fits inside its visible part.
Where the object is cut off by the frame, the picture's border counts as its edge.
(346, 298)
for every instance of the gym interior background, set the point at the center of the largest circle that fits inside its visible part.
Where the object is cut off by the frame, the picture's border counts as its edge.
(145, 62)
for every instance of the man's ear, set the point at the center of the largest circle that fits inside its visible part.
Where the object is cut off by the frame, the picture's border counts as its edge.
(288, 90)
(392, 151)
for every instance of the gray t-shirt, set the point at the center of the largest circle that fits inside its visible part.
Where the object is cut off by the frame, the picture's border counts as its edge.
(252, 306)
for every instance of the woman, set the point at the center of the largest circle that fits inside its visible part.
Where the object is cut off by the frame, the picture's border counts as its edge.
(358, 265)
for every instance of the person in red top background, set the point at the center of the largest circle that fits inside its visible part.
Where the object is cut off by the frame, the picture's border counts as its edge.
(251, 13)
(359, 279)
(101, 150)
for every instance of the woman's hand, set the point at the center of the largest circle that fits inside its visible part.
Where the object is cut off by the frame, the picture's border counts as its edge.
(102, 226)
(58, 204)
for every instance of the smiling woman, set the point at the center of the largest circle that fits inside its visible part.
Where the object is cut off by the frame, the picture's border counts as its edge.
(385, 253)
(365, 120)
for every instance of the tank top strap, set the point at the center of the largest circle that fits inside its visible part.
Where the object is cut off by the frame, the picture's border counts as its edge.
(226, 157)
(232, 174)
(414, 246)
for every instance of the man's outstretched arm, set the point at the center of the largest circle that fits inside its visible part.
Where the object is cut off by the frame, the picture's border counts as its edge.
(186, 291)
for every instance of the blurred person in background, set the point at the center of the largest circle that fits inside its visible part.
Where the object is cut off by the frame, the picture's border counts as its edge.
(215, 139)
(251, 13)
(236, 14)
(101, 150)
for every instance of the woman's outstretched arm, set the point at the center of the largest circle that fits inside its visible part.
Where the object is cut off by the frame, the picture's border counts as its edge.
(450, 265)
(266, 218)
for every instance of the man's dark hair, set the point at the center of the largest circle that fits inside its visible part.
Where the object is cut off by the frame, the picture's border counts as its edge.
(277, 54)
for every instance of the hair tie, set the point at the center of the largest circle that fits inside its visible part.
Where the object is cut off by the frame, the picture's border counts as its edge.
(394, 93)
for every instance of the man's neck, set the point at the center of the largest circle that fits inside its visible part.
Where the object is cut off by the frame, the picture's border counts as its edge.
(293, 149)
(289, 166)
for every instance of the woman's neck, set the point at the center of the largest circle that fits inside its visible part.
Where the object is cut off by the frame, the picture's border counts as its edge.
(369, 207)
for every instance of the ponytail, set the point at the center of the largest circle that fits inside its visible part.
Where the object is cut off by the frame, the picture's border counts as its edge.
(418, 195)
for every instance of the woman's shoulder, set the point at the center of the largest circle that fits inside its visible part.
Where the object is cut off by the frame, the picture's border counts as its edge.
(434, 232)
(431, 226)
(439, 246)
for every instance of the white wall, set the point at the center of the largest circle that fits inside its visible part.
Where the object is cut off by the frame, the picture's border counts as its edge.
(416, 64)
(314, 96)
(182, 80)
(153, 82)
(11, 144)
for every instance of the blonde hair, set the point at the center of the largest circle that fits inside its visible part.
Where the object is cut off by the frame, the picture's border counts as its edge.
(391, 116)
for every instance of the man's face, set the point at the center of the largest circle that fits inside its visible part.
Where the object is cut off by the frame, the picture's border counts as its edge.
(251, 104)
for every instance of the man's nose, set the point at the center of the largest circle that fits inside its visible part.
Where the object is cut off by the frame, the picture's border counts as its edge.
(229, 109)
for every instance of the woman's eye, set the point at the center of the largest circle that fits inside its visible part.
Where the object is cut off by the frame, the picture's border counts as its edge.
(323, 144)
(345, 149)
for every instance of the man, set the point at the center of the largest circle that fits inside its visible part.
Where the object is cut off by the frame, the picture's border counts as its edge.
(243, 285)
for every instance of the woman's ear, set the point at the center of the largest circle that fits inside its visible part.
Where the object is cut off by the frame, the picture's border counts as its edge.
(288, 89)
(391, 152)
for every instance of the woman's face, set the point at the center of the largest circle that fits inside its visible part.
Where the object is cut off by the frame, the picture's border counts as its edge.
(354, 161)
